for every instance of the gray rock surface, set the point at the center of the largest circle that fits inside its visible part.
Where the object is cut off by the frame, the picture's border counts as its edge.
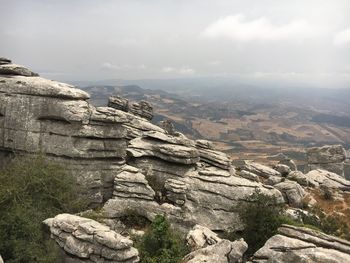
(292, 192)
(199, 237)
(141, 108)
(223, 251)
(88, 240)
(298, 244)
(290, 163)
(283, 169)
(259, 169)
(329, 180)
(329, 157)
(13, 69)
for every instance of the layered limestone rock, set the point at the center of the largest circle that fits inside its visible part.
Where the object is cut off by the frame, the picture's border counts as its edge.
(257, 169)
(206, 246)
(329, 157)
(292, 192)
(325, 179)
(44, 116)
(141, 108)
(85, 240)
(191, 198)
(200, 237)
(299, 244)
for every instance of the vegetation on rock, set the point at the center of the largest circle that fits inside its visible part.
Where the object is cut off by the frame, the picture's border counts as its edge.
(32, 190)
(161, 244)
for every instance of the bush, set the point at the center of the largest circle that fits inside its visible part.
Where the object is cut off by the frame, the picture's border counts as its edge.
(262, 216)
(31, 190)
(161, 244)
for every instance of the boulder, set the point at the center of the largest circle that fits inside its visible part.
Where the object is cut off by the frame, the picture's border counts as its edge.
(329, 157)
(200, 237)
(283, 169)
(290, 163)
(292, 192)
(299, 244)
(85, 239)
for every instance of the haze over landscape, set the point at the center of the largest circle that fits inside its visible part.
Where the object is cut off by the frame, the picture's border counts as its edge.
(267, 42)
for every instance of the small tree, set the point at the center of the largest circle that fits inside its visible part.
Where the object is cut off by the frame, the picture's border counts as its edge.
(31, 190)
(161, 244)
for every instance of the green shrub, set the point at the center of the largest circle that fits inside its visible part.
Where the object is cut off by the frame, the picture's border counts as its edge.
(132, 219)
(31, 190)
(161, 244)
(262, 216)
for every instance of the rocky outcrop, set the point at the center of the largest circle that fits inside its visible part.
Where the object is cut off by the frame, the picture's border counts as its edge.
(206, 246)
(88, 241)
(130, 183)
(299, 244)
(141, 108)
(292, 192)
(329, 157)
(200, 237)
(257, 168)
(324, 179)
(43, 116)
(7, 68)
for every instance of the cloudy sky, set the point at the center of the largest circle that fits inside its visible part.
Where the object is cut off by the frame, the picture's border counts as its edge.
(289, 42)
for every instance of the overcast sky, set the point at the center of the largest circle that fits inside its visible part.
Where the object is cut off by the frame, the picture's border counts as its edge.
(290, 42)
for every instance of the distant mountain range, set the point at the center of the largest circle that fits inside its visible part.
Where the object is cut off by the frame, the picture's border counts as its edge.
(245, 119)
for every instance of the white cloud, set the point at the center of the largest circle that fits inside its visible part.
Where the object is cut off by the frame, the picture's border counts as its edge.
(187, 71)
(111, 66)
(342, 38)
(239, 28)
(183, 70)
(168, 69)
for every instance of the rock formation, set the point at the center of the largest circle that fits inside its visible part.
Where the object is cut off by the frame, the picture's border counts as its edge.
(85, 240)
(329, 157)
(206, 246)
(299, 244)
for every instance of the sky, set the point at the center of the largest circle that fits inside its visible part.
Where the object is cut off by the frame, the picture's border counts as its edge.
(286, 42)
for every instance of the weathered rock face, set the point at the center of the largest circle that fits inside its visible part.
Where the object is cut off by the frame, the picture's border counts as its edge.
(292, 192)
(89, 241)
(200, 237)
(206, 246)
(331, 181)
(141, 108)
(330, 158)
(258, 169)
(298, 244)
(39, 115)
(43, 116)
(209, 199)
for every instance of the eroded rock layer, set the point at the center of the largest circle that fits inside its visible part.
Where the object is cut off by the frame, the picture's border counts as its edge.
(89, 241)
(299, 244)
